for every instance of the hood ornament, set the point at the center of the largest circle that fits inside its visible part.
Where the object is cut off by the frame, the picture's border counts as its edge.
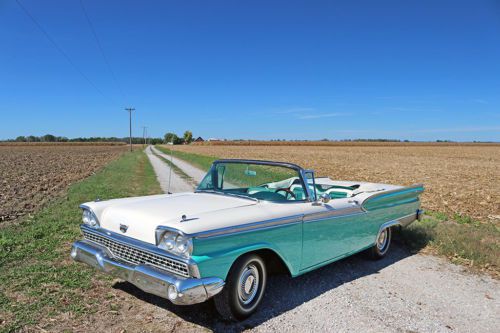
(184, 218)
(123, 228)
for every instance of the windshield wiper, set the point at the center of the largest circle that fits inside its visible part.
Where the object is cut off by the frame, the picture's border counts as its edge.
(228, 194)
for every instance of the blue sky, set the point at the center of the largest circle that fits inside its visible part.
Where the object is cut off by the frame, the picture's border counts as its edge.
(418, 70)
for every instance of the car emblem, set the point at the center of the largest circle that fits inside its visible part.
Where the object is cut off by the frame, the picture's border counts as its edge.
(123, 228)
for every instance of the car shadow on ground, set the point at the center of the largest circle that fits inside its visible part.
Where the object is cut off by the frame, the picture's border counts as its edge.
(283, 293)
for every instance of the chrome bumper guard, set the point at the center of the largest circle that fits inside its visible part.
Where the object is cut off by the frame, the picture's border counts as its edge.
(409, 219)
(179, 290)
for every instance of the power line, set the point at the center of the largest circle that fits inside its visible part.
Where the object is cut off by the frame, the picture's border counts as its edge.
(65, 55)
(101, 50)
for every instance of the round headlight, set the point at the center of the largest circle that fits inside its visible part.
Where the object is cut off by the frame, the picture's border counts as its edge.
(168, 241)
(89, 218)
(182, 244)
(86, 216)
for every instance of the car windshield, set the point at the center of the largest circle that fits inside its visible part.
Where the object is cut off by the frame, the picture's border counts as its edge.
(258, 181)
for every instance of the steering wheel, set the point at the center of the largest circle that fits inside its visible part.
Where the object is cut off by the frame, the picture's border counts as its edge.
(287, 191)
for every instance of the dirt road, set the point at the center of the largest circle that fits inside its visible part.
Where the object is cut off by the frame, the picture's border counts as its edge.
(193, 172)
(168, 179)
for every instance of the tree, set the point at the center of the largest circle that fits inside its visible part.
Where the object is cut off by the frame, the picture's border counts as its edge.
(48, 138)
(188, 137)
(21, 138)
(171, 137)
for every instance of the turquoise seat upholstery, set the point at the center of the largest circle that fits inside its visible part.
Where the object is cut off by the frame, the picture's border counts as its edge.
(299, 192)
(337, 195)
(256, 189)
(269, 196)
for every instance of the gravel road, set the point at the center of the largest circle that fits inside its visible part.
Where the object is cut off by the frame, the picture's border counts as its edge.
(163, 174)
(400, 293)
(403, 292)
(191, 171)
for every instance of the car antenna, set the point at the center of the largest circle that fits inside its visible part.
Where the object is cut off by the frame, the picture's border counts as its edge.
(171, 164)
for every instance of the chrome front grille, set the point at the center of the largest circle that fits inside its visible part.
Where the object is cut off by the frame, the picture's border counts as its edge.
(138, 256)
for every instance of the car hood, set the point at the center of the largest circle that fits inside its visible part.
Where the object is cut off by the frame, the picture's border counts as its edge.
(142, 215)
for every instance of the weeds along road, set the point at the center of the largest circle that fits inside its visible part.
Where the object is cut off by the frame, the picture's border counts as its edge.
(402, 292)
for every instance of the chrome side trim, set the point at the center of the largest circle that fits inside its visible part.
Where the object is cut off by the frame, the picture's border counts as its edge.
(128, 241)
(408, 219)
(350, 211)
(249, 227)
(402, 221)
(266, 224)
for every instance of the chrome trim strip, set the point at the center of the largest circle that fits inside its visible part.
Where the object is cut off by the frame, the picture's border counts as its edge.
(249, 227)
(349, 211)
(143, 246)
(266, 224)
(228, 194)
(408, 219)
(403, 221)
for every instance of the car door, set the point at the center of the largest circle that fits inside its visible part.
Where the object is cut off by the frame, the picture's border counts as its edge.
(332, 230)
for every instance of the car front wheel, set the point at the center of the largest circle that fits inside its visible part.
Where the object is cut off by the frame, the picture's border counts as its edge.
(244, 289)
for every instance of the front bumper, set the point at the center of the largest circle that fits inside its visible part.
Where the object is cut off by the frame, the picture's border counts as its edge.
(147, 278)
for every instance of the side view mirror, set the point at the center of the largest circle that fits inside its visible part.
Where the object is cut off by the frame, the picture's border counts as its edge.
(325, 198)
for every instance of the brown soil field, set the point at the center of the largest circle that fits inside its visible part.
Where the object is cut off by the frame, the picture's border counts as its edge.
(459, 178)
(30, 175)
(339, 143)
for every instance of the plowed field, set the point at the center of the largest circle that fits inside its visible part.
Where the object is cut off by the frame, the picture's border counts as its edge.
(30, 175)
(459, 179)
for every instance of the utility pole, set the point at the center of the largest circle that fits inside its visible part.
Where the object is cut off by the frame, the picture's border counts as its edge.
(144, 133)
(130, 125)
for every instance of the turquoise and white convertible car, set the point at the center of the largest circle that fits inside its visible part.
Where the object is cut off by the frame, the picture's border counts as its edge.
(246, 219)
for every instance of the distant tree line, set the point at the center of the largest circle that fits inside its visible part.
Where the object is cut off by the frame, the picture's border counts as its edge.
(53, 138)
(341, 140)
(177, 140)
(168, 138)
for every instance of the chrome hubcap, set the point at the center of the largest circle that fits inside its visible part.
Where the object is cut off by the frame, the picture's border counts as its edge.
(248, 284)
(382, 240)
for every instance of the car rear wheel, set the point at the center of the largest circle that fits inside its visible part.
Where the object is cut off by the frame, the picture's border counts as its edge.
(382, 244)
(244, 289)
